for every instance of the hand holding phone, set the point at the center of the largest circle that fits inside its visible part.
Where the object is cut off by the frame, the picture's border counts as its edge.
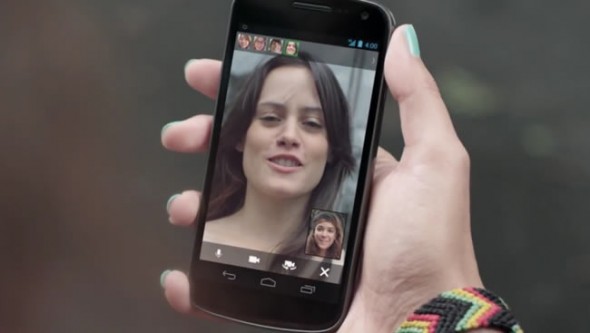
(282, 215)
(418, 204)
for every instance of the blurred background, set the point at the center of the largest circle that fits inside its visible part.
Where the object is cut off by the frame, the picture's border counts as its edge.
(85, 87)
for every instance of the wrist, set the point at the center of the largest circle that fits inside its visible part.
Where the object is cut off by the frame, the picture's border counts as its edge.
(382, 311)
(385, 305)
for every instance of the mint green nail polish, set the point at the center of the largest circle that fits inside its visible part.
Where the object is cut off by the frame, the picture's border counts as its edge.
(188, 63)
(163, 277)
(412, 39)
(172, 198)
(168, 126)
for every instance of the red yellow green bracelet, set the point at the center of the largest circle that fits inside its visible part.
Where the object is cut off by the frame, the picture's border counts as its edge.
(460, 310)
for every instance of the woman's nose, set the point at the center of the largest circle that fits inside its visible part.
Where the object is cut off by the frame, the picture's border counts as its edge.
(289, 136)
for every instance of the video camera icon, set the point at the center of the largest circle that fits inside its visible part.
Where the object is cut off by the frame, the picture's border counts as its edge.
(254, 259)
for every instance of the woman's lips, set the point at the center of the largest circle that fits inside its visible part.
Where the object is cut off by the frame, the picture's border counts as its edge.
(285, 163)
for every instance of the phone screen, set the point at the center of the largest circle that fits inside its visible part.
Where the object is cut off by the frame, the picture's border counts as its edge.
(291, 143)
(289, 166)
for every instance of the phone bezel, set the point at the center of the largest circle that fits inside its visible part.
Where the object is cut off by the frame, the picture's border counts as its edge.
(256, 306)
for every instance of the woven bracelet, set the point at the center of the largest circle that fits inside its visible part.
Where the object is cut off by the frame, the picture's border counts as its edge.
(460, 310)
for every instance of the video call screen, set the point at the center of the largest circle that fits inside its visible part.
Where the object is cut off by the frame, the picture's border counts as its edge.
(287, 161)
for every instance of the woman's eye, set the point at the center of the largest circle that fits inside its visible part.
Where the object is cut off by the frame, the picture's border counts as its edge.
(313, 123)
(269, 118)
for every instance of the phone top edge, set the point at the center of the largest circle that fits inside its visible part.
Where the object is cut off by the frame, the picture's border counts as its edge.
(385, 10)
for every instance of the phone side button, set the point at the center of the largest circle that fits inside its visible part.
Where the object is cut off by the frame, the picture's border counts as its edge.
(229, 276)
(268, 282)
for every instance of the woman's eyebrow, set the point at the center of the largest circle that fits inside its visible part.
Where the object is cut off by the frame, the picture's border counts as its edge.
(303, 109)
(312, 109)
(273, 105)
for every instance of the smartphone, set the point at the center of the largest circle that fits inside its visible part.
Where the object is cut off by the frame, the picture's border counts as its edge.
(295, 132)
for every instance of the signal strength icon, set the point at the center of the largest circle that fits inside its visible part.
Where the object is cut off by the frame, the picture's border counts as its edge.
(352, 43)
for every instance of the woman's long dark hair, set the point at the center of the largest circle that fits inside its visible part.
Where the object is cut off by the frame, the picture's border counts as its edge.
(229, 182)
(335, 250)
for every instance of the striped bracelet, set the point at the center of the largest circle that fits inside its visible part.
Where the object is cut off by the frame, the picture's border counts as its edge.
(460, 310)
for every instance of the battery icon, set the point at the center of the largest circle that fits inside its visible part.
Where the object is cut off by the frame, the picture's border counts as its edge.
(359, 44)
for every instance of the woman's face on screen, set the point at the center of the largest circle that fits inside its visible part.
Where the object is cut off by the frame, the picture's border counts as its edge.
(259, 43)
(291, 48)
(324, 235)
(285, 149)
(275, 46)
(243, 40)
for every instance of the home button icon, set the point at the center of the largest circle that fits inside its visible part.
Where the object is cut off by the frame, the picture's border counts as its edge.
(268, 282)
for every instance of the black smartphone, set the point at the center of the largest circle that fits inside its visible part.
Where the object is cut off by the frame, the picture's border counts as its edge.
(281, 221)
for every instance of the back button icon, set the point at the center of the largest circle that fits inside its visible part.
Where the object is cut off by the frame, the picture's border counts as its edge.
(229, 276)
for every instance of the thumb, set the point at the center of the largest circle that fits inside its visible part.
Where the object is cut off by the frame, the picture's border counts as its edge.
(425, 121)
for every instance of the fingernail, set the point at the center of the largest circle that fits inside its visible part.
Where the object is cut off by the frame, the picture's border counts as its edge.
(163, 277)
(167, 126)
(412, 39)
(172, 198)
(188, 63)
